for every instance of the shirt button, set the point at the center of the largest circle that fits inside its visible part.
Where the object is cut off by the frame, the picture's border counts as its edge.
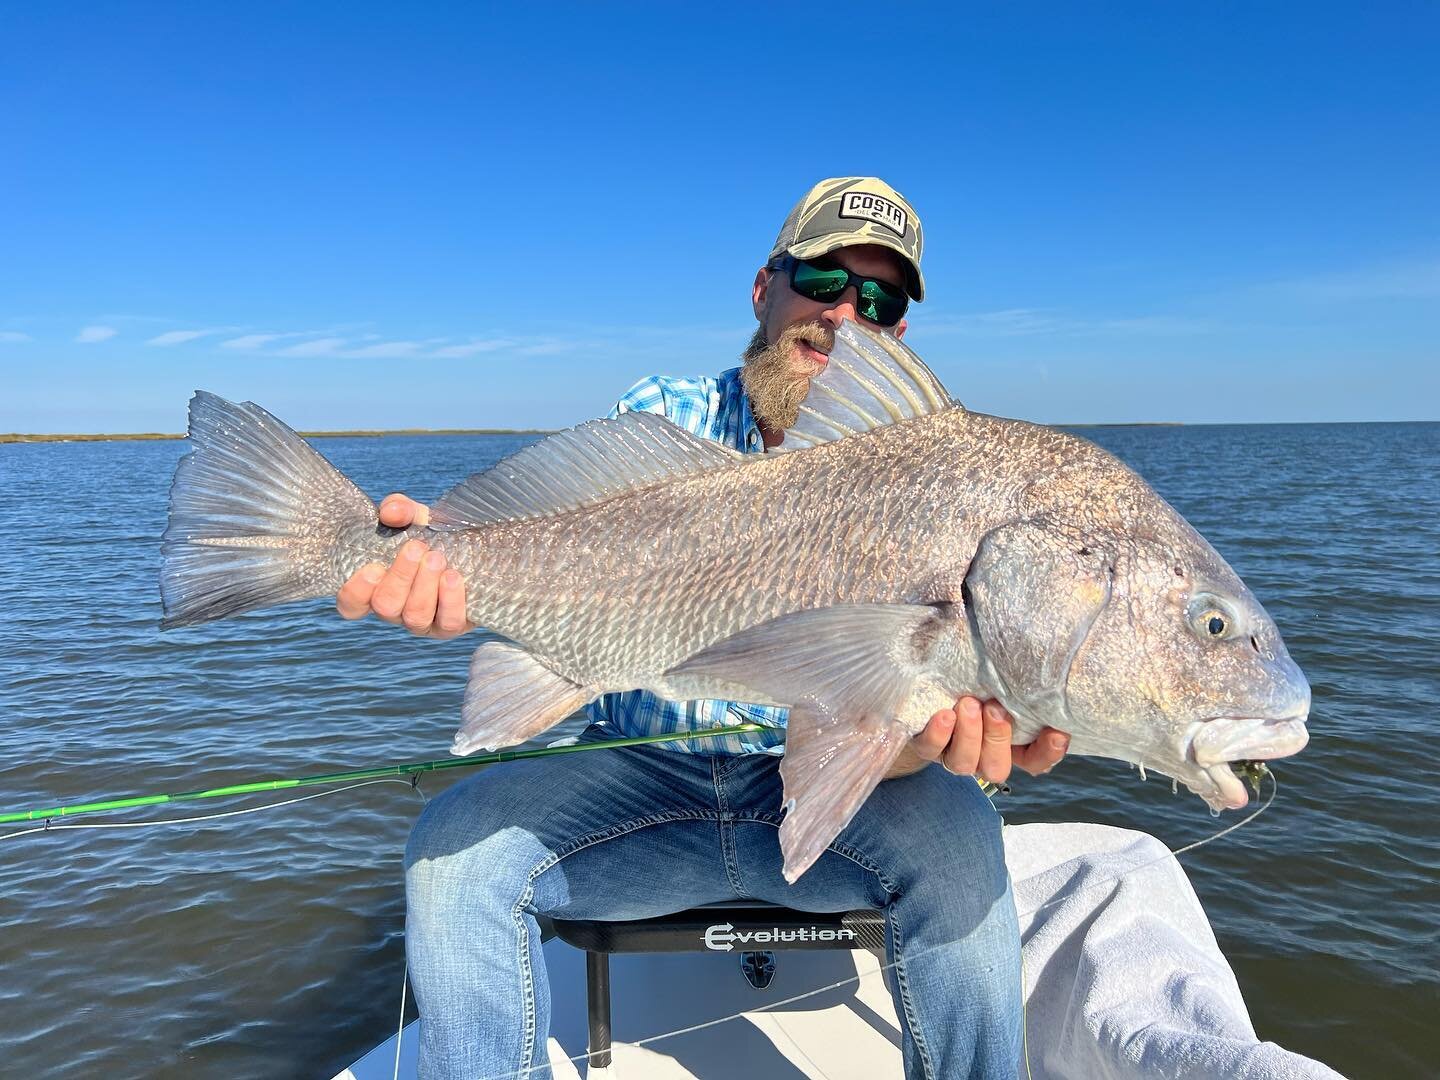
(752, 439)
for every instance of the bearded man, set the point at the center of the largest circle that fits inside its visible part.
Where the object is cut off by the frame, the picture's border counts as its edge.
(650, 830)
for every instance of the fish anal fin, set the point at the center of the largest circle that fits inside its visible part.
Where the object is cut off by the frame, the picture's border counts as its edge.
(833, 761)
(512, 697)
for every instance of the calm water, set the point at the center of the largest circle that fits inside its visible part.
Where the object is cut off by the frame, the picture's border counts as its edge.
(270, 944)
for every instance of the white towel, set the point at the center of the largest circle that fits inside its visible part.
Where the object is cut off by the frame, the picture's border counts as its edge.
(1123, 978)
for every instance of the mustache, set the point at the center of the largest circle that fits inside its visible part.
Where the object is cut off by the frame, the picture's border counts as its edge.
(777, 377)
(816, 335)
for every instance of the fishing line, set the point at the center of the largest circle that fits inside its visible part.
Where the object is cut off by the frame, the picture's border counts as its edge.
(400, 1027)
(840, 984)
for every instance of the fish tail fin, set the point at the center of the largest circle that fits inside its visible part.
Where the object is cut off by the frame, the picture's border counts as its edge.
(255, 516)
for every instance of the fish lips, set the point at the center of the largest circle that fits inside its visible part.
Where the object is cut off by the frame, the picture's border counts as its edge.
(1224, 739)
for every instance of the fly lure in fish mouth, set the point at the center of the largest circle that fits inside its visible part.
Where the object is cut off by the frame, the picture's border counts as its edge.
(1253, 771)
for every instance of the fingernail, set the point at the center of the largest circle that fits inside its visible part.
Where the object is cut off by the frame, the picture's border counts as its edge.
(1059, 742)
(414, 550)
(373, 574)
(435, 560)
(451, 578)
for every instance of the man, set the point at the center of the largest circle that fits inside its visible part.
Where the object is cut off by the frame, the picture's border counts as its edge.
(649, 830)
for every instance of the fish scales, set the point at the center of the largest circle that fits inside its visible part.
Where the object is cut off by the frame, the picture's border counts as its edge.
(650, 577)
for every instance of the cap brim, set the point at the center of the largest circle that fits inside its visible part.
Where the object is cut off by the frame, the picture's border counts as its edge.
(823, 245)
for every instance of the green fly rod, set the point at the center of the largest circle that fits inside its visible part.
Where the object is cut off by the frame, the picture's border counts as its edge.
(414, 768)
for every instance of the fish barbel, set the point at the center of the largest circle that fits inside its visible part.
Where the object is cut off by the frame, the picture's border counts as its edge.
(902, 551)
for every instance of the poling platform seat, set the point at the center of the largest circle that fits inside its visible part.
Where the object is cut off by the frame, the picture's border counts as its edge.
(754, 929)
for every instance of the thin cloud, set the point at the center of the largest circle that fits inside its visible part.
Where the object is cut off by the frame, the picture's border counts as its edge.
(89, 335)
(256, 341)
(366, 347)
(388, 350)
(1158, 325)
(319, 347)
(1037, 322)
(1410, 281)
(13, 337)
(180, 337)
(544, 348)
(472, 348)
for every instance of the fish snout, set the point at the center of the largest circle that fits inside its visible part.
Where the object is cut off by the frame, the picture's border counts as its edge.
(1244, 738)
(1224, 740)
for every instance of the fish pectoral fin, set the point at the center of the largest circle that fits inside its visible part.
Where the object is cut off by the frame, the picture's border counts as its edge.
(833, 761)
(511, 697)
(851, 653)
(847, 672)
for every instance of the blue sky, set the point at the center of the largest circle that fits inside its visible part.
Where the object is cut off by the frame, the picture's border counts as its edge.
(463, 216)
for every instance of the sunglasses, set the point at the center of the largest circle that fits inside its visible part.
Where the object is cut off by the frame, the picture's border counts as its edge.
(876, 301)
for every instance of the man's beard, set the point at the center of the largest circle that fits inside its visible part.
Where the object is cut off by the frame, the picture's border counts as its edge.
(777, 377)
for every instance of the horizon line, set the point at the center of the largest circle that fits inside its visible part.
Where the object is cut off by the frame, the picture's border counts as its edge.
(142, 436)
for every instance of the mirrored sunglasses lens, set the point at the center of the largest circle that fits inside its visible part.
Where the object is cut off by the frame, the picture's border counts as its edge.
(818, 284)
(879, 304)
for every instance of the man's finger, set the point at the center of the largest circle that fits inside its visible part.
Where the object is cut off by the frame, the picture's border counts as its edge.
(995, 747)
(450, 619)
(931, 742)
(1044, 753)
(419, 612)
(962, 756)
(400, 511)
(353, 599)
(397, 511)
(393, 590)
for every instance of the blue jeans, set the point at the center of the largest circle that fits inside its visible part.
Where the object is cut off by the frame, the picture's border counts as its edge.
(638, 832)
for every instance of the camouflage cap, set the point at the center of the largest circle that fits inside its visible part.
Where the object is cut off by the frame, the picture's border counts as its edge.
(847, 210)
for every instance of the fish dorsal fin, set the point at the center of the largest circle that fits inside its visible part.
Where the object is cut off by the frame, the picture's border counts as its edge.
(871, 380)
(573, 468)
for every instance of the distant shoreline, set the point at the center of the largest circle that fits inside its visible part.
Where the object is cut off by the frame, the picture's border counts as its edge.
(150, 436)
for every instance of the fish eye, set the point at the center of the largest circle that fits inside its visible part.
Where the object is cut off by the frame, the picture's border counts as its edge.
(1211, 618)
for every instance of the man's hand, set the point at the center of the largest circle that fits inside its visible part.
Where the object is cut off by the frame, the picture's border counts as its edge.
(973, 739)
(416, 591)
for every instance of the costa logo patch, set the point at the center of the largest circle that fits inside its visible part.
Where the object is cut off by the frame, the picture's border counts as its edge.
(876, 208)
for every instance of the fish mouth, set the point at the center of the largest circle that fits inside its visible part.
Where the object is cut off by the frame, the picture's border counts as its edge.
(1216, 744)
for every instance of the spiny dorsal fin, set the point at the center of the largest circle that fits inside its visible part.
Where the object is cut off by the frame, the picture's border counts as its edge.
(870, 381)
(583, 465)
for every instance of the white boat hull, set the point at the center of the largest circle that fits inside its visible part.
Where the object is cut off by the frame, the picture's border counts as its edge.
(1123, 980)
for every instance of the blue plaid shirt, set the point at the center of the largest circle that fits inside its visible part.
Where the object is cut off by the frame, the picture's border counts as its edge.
(714, 409)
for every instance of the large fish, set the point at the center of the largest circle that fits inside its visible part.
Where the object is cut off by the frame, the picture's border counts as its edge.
(902, 552)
